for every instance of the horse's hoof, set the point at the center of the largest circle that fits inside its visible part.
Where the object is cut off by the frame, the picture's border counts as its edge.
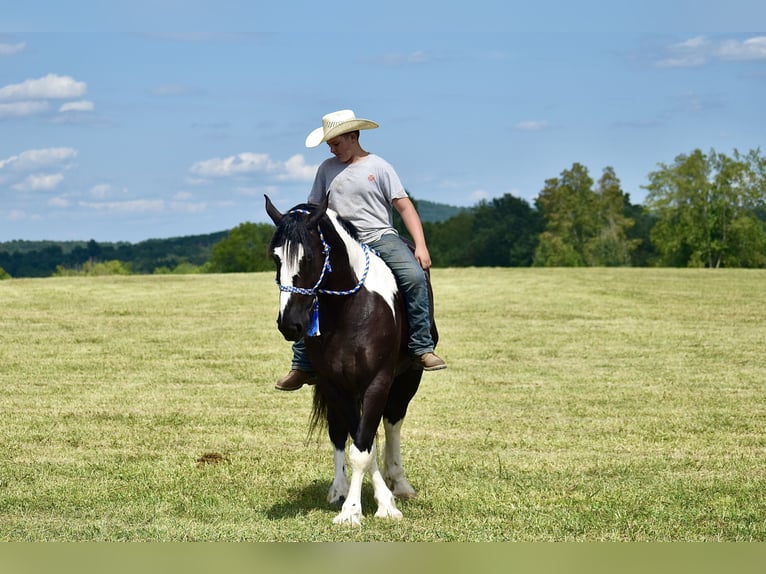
(406, 495)
(403, 490)
(352, 520)
(338, 503)
(391, 512)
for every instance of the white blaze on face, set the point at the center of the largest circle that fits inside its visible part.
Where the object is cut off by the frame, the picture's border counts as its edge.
(289, 267)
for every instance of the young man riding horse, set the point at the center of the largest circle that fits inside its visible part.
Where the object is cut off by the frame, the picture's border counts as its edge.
(362, 189)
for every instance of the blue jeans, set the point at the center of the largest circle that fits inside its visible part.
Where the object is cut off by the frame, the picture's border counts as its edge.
(413, 284)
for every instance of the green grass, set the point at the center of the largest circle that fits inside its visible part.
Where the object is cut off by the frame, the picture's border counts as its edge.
(580, 404)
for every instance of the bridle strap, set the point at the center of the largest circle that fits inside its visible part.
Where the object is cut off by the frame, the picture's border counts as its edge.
(327, 268)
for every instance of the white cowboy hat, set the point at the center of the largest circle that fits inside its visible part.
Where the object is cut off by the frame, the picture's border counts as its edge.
(337, 123)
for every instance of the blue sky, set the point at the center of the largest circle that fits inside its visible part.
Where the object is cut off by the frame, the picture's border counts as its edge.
(124, 121)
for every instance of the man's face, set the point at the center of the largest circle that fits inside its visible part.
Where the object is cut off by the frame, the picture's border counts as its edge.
(342, 147)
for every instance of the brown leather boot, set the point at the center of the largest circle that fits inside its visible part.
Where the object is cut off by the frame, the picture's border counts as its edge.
(430, 362)
(295, 379)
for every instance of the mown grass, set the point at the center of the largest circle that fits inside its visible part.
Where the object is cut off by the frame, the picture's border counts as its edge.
(580, 404)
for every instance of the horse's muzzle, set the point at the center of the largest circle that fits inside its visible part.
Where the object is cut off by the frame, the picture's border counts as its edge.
(291, 327)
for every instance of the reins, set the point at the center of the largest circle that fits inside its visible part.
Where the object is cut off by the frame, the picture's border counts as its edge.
(326, 268)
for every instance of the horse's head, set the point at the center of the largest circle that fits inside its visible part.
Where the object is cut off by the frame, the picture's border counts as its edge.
(298, 252)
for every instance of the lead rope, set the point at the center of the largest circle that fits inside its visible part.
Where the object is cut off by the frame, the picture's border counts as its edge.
(313, 329)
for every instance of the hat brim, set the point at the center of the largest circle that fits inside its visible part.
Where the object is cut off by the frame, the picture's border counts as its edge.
(318, 136)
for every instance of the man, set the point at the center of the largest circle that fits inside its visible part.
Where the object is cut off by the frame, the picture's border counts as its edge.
(363, 188)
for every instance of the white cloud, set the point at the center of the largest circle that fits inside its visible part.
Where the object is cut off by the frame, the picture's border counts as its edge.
(23, 109)
(35, 159)
(691, 53)
(694, 43)
(58, 202)
(532, 125)
(691, 61)
(16, 215)
(296, 169)
(50, 87)
(698, 51)
(234, 165)
(11, 49)
(248, 163)
(40, 182)
(80, 106)
(101, 190)
(751, 49)
(187, 207)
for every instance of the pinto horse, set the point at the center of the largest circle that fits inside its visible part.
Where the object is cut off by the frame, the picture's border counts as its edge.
(342, 299)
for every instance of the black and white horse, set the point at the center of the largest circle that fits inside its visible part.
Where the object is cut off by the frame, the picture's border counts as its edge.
(343, 301)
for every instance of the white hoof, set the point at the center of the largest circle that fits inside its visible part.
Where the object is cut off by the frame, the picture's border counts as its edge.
(351, 517)
(388, 512)
(387, 507)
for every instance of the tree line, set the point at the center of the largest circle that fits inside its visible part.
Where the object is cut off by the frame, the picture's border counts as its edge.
(701, 210)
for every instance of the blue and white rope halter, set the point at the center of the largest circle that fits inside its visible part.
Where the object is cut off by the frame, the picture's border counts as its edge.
(313, 330)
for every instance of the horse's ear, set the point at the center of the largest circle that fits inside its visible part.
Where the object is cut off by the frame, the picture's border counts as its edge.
(273, 212)
(319, 211)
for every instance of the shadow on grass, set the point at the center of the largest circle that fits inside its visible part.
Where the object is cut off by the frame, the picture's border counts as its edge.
(300, 501)
(303, 500)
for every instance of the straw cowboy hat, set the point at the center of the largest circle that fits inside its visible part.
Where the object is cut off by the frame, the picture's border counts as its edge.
(337, 123)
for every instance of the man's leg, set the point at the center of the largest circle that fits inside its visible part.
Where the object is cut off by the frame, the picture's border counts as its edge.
(413, 283)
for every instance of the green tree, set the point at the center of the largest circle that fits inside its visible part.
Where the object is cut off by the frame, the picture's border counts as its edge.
(645, 252)
(4, 274)
(448, 241)
(505, 232)
(611, 246)
(570, 208)
(498, 233)
(707, 209)
(244, 250)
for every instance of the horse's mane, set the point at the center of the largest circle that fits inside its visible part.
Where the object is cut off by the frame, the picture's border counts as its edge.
(348, 226)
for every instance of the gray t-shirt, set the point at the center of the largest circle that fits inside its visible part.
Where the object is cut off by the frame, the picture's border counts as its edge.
(361, 193)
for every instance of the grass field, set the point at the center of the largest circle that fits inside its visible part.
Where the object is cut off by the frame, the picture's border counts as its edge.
(580, 405)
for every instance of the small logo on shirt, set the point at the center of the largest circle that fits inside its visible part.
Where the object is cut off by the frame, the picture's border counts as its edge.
(370, 178)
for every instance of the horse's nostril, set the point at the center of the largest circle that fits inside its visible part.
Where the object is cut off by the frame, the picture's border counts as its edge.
(290, 331)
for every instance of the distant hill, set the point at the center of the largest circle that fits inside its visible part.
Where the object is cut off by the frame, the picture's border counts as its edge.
(40, 258)
(435, 212)
(22, 258)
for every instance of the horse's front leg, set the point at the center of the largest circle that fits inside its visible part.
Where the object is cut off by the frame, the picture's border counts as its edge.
(383, 495)
(360, 462)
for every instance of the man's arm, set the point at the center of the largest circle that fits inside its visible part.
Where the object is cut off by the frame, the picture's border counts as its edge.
(414, 227)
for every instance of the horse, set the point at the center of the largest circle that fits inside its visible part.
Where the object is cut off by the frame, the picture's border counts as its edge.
(342, 299)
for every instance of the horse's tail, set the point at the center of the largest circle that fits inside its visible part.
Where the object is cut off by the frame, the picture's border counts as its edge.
(318, 412)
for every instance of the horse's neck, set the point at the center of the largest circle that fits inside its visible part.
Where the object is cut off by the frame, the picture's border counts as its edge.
(354, 250)
(379, 277)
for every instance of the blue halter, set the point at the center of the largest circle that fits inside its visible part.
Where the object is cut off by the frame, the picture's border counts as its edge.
(313, 330)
